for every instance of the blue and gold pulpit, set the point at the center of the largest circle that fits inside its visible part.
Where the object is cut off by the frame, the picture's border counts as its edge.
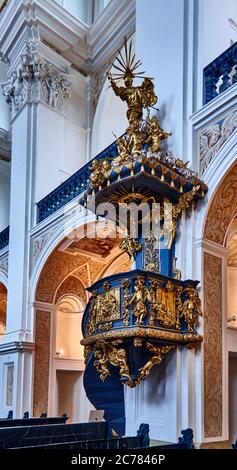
(134, 319)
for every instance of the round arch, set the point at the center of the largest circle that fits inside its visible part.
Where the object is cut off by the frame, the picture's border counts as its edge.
(214, 221)
(74, 222)
(218, 169)
(61, 272)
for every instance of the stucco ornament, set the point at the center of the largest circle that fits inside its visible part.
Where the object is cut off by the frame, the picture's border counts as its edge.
(36, 80)
(212, 139)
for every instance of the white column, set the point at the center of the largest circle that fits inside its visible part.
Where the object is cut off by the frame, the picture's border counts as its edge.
(35, 92)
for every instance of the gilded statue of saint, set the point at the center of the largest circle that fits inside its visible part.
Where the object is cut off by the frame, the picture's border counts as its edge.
(138, 302)
(137, 97)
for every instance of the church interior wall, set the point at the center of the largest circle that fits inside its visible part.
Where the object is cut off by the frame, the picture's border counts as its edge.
(181, 391)
(162, 25)
(4, 200)
(4, 108)
(109, 120)
(215, 13)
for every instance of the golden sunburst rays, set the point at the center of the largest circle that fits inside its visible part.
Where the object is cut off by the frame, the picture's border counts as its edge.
(127, 65)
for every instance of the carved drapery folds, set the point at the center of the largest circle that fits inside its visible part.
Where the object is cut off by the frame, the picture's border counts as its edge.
(36, 80)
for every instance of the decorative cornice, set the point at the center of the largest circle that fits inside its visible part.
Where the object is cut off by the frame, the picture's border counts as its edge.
(212, 247)
(36, 80)
(16, 346)
(87, 48)
(106, 34)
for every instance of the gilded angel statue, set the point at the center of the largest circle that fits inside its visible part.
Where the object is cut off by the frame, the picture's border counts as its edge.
(137, 97)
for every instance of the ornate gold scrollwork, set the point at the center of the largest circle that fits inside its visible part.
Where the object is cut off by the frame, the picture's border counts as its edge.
(158, 354)
(137, 342)
(191, 308)
(167, 306)
(91, 324)
(152, 262)
(108, 306)
(152, 298)
(179, 305)
(130, 246)
(126, 301)
(143, 332)
(105, 326)
(108, 353)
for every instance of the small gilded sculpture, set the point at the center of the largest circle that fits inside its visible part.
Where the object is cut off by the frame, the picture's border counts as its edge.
(100, 364)
(131, 246)
(108, 353)
(96, 174)
(191, 308)
(158, 354)
(137, 97)
(138, 301)
(156, 133)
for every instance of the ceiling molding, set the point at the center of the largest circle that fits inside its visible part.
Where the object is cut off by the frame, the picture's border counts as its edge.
(87, 48)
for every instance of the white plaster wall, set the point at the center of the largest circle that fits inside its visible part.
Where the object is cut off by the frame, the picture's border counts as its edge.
(21, 383)
(4, 108)
(159, 44)
(232, 292)
(110, 117)
(70, 396)
(61, 150)
(154, 402)
(4, 201)
(61, 139)
(215, 32)
(69, 335)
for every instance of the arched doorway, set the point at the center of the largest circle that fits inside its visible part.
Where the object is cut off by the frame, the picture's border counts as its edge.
(60, 299)
(220, 333)
(67, 359)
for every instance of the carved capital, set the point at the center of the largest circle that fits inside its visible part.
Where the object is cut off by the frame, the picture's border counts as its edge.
(36, 80)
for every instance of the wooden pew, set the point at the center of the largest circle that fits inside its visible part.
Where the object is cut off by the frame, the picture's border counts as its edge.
(185, 441)
(26, 421)
(32, 436)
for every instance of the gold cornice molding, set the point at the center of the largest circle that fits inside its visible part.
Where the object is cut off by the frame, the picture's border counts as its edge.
(143, 332)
